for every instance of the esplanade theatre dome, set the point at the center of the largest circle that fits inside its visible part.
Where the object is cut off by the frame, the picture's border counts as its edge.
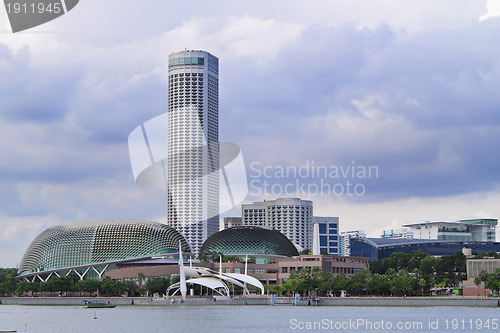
(249, 240)
(99, 241)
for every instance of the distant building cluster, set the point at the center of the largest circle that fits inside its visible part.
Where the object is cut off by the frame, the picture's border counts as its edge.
(345, 240)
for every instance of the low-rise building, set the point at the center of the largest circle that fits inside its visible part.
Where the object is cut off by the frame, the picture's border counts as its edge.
(275, 271)
(327, 263)
(474, 269)
(478, 230)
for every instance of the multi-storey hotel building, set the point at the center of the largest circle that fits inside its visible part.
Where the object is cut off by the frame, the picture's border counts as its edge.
(292, 217)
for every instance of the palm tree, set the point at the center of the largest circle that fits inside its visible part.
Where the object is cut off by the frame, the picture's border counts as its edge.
(483, 276)
(141, 277)
(478, 281)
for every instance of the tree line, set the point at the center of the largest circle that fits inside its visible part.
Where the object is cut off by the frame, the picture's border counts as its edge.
(68, 285)
(400, 274)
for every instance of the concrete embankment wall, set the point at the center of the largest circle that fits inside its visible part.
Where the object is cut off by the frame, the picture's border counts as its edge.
(409, 301)
(66, 300)
(324, 301)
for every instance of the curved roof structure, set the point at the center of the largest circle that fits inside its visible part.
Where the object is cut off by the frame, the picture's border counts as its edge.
(99, 241)
(249, 240)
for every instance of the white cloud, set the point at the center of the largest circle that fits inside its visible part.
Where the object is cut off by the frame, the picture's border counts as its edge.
(493, 10)
(375, 217)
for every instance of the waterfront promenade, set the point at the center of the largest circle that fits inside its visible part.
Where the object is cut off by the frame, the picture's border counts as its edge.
(322, 301)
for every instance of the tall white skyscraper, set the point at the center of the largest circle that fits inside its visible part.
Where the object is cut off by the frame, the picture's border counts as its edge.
(193, 149)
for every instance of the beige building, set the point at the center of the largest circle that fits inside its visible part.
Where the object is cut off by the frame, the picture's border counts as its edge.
(474, 268)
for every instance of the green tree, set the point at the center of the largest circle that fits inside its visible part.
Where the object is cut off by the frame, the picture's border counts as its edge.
(401, 284)
(493, 280)
(88, 286)
(339, 283)
(141, 276)
(8, 283)
(327, 283)
(60, 284)
(358, 282)
(483, 276)
(157, 285)
(378, 284)
(422, 284)
(477, 282)
(22, 287)
(110, 287)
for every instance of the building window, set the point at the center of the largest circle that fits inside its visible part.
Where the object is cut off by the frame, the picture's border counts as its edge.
(322, 228)
(237, 270)
(228, 270)
(284, 269)
(323, 241)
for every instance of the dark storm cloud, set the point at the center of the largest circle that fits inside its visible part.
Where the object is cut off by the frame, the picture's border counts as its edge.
(423, 107)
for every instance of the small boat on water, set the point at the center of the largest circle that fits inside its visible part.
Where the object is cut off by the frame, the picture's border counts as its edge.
(97, 303)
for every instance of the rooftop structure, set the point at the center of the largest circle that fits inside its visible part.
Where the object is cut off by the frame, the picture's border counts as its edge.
(77, 247)
(248, 240)
(399, 233)
(379, 248)
(478, 230)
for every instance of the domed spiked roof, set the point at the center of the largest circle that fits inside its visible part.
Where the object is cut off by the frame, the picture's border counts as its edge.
(249, 240)
(99, 241)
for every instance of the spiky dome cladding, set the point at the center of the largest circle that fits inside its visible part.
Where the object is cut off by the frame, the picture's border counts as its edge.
(99, 241)
(249, 240)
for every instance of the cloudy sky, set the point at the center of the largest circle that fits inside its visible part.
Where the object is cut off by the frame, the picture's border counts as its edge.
(408, 88)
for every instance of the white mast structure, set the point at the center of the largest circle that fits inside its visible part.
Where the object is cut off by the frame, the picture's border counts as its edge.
(182, 274)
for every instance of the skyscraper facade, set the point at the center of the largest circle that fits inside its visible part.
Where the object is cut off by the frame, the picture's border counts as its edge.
(292, 217)
(326, 235)
(193, 150)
